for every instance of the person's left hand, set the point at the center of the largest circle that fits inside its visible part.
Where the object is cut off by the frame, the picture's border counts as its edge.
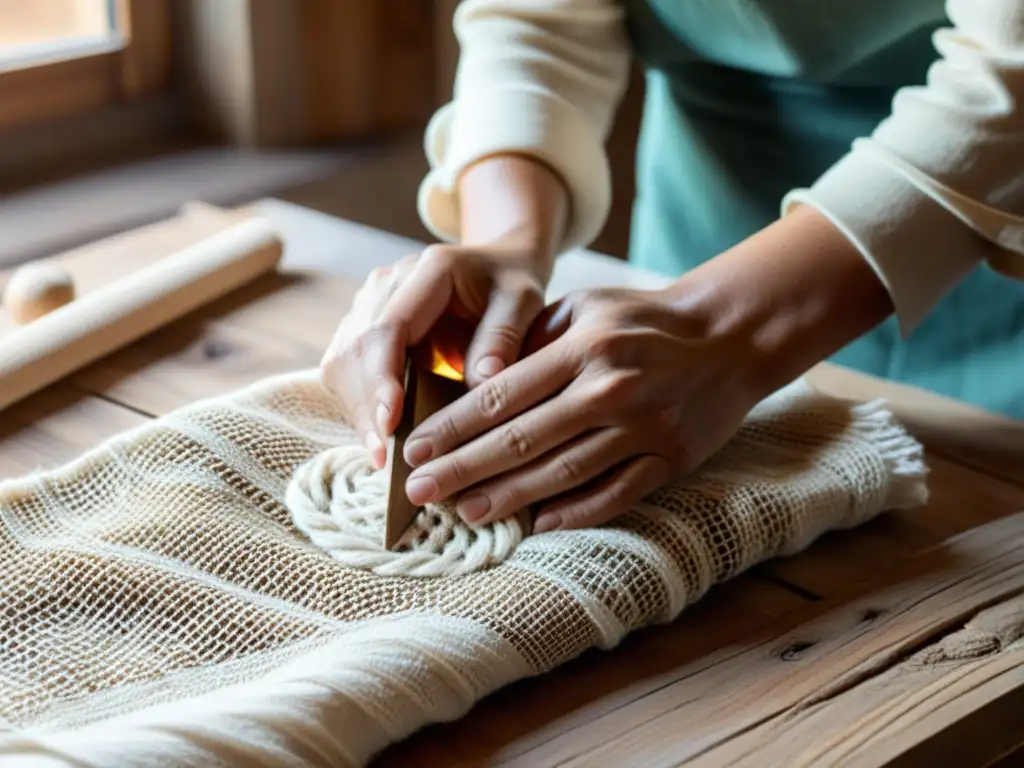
(621, 393)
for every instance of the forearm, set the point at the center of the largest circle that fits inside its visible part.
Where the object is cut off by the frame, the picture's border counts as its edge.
(514, 204)
(787, 298)
(537, 80)
(935, 189)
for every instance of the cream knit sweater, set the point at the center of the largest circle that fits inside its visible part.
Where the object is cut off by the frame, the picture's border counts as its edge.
(937, 187)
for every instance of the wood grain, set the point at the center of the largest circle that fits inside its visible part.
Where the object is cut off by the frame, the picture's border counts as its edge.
(266, 73)
(370, 66)
(56, 426)
(279, 324)
(786, 694)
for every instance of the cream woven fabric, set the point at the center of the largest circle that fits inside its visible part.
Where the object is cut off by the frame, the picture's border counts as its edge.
(160, 607)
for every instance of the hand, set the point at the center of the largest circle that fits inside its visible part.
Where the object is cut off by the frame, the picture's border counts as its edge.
(497, 291)
(624, 392)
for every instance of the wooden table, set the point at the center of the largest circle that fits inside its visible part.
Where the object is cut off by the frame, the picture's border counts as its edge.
(897, 643)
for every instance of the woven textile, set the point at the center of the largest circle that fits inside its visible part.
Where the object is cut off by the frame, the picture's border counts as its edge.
(158, 606)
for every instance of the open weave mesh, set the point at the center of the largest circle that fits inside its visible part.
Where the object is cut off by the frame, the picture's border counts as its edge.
(159, 606)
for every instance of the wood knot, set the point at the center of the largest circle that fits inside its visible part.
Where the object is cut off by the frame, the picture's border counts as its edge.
(214, 350)
(869, 615)
(794, 651)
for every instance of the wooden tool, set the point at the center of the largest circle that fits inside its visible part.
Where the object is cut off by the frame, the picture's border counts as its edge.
(430, 384)
(123, 311)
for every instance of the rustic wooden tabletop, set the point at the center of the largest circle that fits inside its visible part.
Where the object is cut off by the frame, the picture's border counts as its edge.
(901, 642)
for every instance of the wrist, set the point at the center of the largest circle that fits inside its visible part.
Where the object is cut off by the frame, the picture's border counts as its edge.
(785, 298)
(514, 205)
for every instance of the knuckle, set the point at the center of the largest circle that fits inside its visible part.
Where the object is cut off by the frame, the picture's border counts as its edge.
(492, 397)
(445, 434)
(515, 441)
(566, 470)
(447, 431)
(598, 346)
(608, 346)
(356, 345)
(378, 333)
(504, 336)
(620, 389)
(457, 471)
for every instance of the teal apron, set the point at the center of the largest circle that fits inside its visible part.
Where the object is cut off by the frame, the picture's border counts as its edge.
(748, 99)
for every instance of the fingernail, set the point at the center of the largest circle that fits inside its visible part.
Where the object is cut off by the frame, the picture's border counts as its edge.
(489, 366)
(472, 508)
(548, 522)
(383, 417)
(417, 452)
(421, 490)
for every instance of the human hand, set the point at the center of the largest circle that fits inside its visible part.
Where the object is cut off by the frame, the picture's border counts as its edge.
(492, 292)
(622, 391)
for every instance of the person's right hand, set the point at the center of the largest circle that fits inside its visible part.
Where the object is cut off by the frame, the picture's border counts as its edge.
(495, 292)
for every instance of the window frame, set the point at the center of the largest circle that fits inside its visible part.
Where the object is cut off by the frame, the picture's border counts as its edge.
(140, 66)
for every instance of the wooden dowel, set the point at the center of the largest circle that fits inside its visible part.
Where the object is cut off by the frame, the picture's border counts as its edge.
(124, 311)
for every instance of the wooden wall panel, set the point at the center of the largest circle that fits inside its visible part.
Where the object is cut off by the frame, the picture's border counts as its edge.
(277, 72)
(370, 65)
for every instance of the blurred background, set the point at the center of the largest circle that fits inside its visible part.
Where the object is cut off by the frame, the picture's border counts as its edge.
(115, 112)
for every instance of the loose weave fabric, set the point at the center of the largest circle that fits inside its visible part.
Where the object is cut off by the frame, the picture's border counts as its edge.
(159, 606)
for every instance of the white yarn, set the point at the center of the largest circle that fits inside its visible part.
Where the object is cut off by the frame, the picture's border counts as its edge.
(338, 501)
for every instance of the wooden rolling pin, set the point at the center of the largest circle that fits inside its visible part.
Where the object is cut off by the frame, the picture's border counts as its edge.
(125, 310)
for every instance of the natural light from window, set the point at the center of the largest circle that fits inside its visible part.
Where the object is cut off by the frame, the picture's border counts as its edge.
(39, 30)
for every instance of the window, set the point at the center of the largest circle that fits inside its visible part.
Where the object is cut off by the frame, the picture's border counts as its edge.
(37, 31)
(63, 58)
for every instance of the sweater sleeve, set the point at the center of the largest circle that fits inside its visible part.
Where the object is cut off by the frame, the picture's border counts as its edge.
(541, 79)
(938, 187)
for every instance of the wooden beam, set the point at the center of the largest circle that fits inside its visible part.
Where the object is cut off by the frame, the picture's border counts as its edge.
(146, 60)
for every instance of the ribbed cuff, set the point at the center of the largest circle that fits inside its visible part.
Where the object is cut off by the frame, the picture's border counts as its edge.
(522, 122)
(917, 246)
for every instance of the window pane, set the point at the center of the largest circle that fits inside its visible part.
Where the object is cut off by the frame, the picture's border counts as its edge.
(34, 28)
